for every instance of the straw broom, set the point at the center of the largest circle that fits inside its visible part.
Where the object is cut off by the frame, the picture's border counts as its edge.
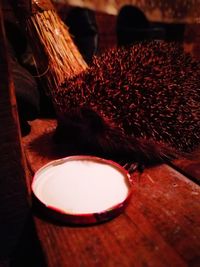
(57, 58)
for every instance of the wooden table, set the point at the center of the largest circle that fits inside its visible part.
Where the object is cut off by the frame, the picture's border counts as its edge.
(160, 226)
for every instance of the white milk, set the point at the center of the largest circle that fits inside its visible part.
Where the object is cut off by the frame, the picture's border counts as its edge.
(81, 186)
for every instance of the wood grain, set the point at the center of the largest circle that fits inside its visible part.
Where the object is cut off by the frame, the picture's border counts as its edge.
(160, 226)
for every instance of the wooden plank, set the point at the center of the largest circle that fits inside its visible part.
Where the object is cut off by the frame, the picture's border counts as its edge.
(13, 204)
(39, 145)
(19, 244)
(160, 226)
(189, 167)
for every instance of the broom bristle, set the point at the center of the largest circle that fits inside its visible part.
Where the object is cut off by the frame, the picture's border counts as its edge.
(56, 55)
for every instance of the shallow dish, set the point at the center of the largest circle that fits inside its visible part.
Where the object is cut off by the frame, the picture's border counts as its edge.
(82, 189)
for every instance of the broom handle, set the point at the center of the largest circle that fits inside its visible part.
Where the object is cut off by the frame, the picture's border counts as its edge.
(25, 8)
(42, 5)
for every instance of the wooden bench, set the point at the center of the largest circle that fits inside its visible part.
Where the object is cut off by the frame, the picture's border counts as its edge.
(160, 226)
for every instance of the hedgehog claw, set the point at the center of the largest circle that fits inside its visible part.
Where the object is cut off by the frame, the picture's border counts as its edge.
(133, 166)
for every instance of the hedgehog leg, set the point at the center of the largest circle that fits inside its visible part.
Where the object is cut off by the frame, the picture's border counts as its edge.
(80, 131)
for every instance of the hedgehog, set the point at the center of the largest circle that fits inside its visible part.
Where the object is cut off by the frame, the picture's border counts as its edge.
(133, 104)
